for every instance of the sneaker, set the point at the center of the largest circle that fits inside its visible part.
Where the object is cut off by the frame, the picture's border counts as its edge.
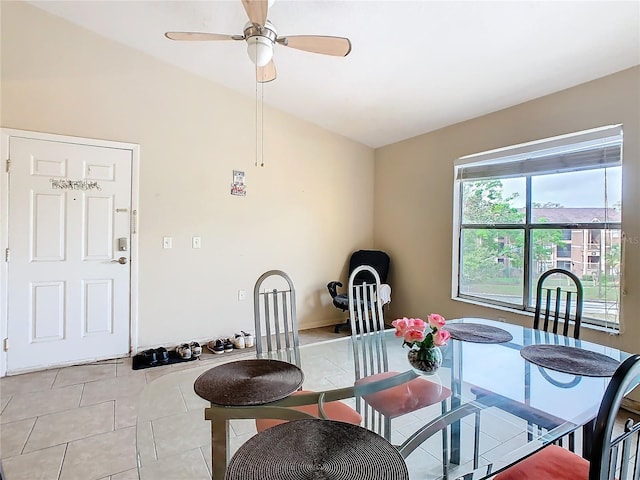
(162, 355)
(216, 346)
(228, 345)
(150, 357)
(196, 349)
(184, 351)
(248, 339)
(238, 340)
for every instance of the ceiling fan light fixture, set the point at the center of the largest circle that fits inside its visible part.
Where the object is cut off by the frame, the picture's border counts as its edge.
(260, 50)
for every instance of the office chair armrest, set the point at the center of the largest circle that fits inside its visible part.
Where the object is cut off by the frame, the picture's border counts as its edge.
(333, 288)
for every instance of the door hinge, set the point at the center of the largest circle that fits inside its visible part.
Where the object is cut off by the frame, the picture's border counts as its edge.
(134, 221)
(5, 345)
(6, 254)
(8, 165)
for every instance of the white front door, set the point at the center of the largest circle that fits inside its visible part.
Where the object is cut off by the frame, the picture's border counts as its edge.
(68, 265)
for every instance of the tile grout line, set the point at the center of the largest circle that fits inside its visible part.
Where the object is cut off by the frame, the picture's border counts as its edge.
(29, 435)
(55, 378)
(64, 456)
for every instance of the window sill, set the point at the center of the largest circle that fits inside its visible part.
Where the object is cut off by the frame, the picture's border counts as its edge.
(529, 315)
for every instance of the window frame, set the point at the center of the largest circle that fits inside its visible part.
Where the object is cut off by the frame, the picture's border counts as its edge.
(527, 227)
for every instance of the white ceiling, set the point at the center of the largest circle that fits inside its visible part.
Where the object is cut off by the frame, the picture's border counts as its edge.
(415, 66)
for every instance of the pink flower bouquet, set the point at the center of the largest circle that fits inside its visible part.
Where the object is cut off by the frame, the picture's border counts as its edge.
(415, 331)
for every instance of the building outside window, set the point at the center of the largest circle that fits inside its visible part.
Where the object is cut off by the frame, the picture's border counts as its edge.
(554, 203)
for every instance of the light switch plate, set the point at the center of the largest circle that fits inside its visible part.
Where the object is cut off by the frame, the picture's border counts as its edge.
(167, 242)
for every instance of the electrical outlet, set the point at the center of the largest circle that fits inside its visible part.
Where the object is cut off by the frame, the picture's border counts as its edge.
(167, 242)
(195, 242)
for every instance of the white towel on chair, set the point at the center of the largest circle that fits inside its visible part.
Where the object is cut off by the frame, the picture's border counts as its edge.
(385, 293)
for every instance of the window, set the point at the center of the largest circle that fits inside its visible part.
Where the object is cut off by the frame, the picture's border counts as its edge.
(554, 203)
(563, 250)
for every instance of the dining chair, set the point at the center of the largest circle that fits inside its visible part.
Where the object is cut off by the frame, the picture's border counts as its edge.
(276, 325)
(613, 454)
(559, 300)
(371, 363)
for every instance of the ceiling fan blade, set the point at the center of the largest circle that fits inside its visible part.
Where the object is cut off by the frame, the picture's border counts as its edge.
(256, 10)
(337, 46)
(266, 73)
(197, 36)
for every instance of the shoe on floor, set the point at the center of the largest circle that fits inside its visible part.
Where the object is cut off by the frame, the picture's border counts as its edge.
(150, 357)
(162, 355)
(238, 340)
(248, 339)
(196, 349)
(184, 351)
(216, 346)
(228, 345)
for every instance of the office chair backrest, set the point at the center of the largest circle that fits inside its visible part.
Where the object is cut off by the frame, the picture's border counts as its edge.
(550, 300)
(367, 323)
(274, 307)
(377, 259)
(616, 456)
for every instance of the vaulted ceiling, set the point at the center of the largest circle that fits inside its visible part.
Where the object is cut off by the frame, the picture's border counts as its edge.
(415, 66)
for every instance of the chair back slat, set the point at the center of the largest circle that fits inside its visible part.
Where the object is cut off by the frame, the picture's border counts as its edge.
(275, 317)
(547, 310)
(571, 297)
(556, 311)
(567, 313)
(267, 321)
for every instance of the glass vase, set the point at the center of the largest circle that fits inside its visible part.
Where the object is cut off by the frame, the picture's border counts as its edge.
(425, 360)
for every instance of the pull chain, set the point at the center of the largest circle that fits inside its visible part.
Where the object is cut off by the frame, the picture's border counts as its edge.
(259, 124)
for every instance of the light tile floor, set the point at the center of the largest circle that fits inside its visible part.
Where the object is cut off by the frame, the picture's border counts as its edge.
(78, 422)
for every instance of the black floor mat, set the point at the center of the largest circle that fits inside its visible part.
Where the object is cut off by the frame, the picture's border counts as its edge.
(139, 362)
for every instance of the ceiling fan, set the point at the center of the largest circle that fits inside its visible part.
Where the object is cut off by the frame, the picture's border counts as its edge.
(261, 36)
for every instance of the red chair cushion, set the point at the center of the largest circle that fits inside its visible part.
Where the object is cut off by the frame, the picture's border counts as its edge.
(334, 411)
(408, 397)
(552, 463)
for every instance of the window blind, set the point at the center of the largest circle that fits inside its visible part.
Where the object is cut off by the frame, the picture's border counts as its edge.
(592, 149)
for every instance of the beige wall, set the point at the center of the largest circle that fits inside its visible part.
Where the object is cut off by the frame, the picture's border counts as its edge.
(415, 177)
(59, 78)
(297, 215)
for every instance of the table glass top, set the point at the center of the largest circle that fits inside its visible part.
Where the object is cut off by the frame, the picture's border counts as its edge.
(173, 436)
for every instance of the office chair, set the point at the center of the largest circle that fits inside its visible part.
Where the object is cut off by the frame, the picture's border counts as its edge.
(276, 326)
(377, 259)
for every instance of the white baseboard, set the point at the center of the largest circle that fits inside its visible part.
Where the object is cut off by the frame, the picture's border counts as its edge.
(322, 323)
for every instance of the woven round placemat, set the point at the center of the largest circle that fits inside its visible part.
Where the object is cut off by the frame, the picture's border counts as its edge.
(249, 382)
(478, 333)
(576, 361)
(317, 449)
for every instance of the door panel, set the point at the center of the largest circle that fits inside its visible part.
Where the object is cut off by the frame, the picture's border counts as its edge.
(68, 299)
(47, 314)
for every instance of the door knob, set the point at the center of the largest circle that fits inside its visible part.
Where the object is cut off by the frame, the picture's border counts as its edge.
(121, 260)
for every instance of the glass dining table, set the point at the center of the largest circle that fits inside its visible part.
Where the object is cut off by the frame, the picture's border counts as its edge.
(502, 406)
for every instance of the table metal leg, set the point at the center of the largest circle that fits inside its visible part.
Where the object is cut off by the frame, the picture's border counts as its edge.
(219, 444)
